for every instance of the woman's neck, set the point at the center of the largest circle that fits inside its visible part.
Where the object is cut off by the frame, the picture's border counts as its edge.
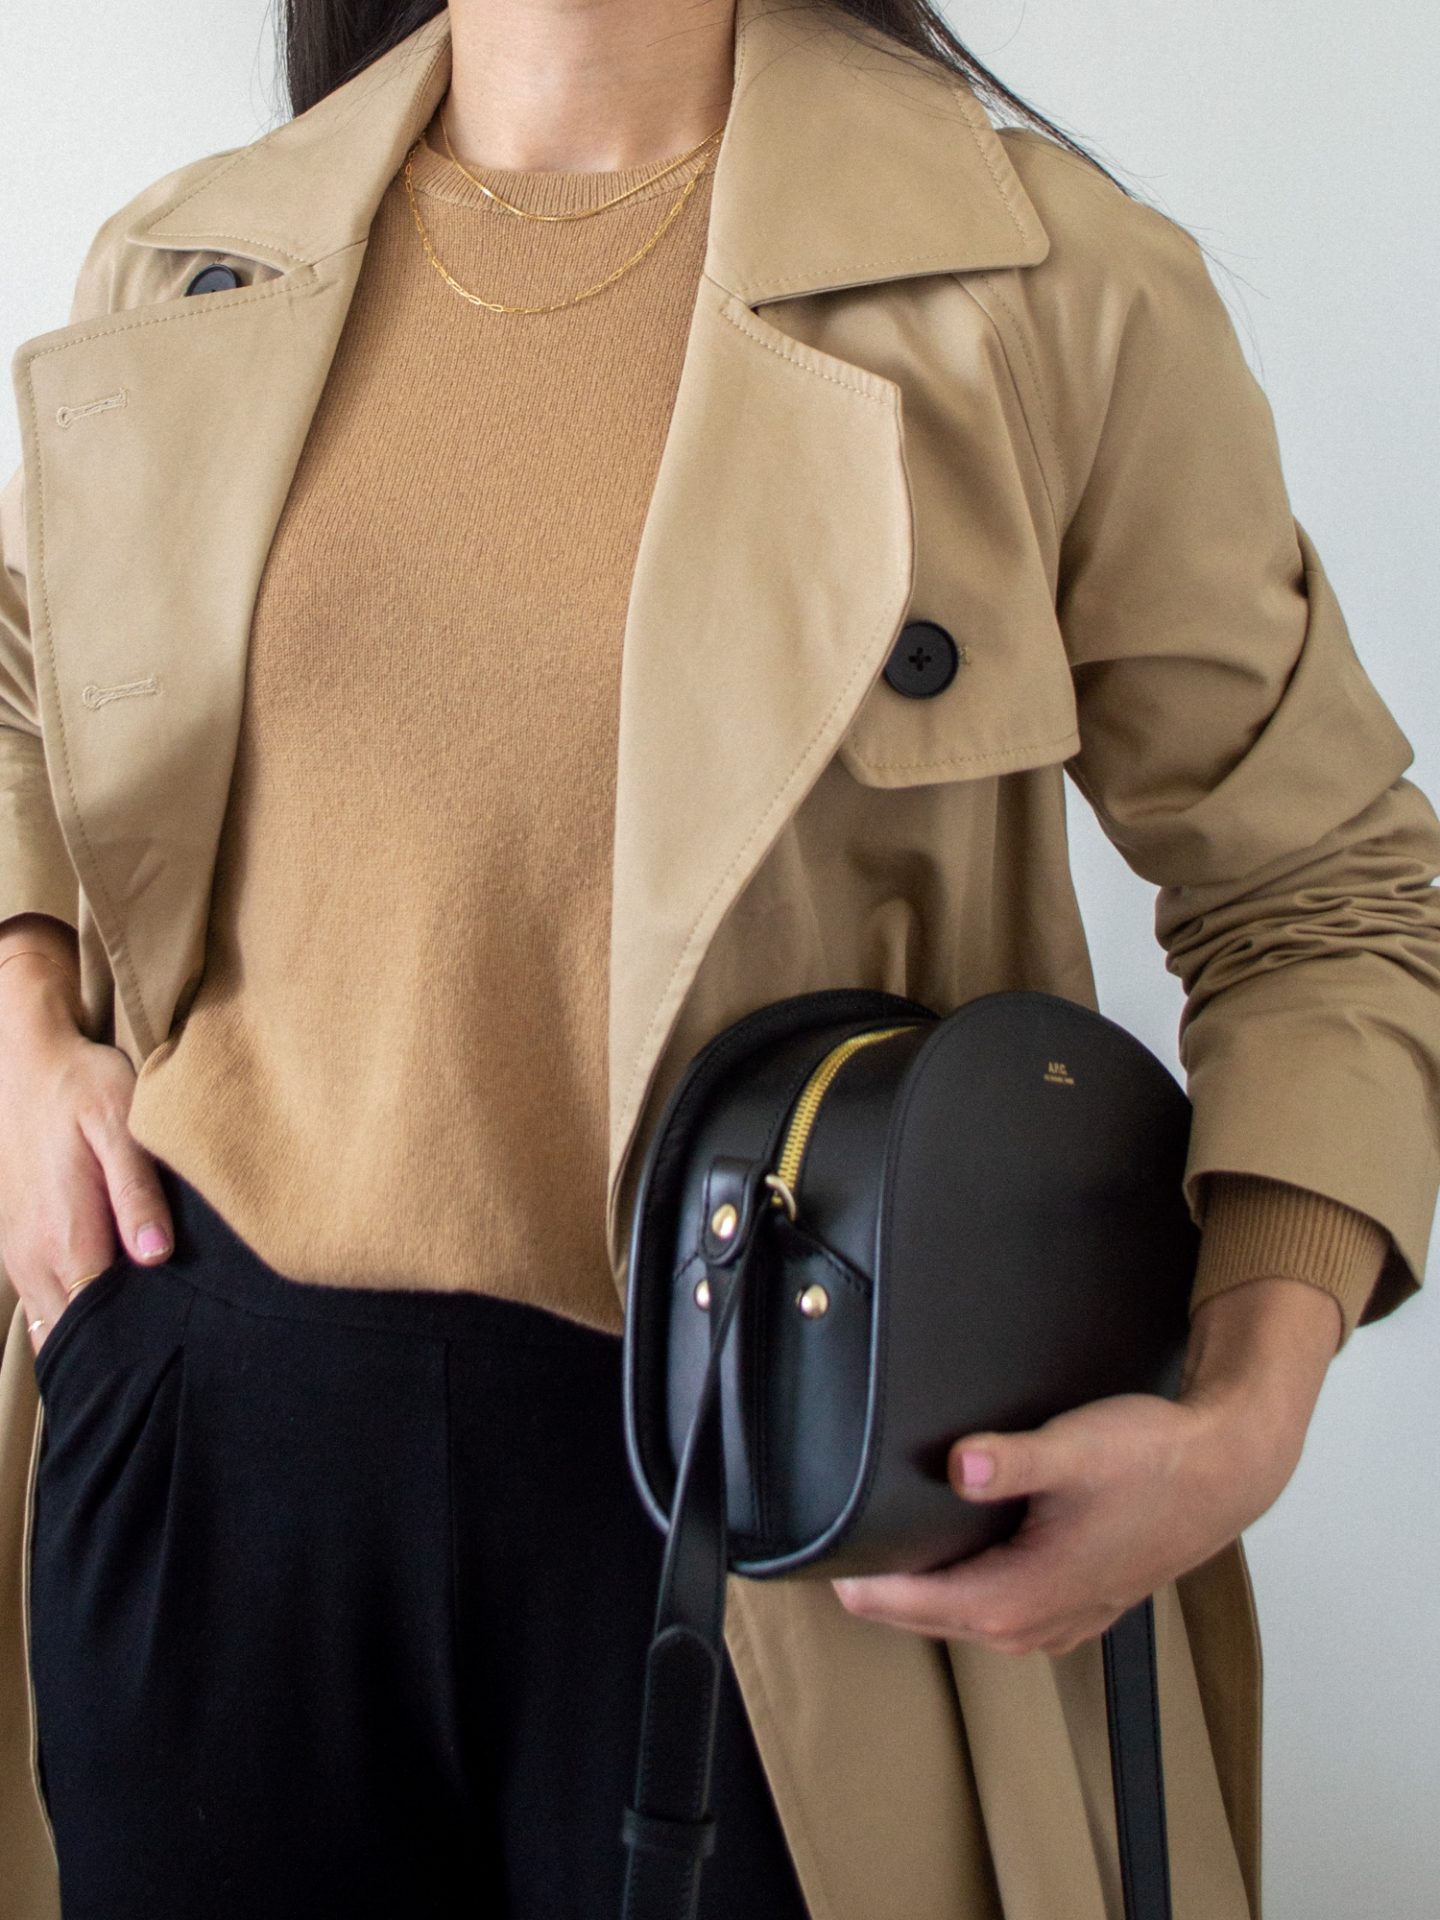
(586, 84)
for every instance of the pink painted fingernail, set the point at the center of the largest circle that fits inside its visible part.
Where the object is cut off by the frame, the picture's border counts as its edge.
(976, 1469)
(151, 1239)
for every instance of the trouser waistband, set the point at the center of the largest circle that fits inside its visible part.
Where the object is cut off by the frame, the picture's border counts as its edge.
(211, 1255)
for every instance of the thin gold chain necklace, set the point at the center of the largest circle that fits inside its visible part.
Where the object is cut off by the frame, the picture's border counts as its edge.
(497, 306)
(585, 212)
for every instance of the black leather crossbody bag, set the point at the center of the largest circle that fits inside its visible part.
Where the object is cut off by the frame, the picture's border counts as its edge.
(863, 1230)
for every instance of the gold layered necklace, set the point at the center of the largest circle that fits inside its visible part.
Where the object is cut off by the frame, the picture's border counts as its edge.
(583, 213)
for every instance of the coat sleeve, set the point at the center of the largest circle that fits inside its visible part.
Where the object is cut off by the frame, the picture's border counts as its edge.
(36, 874)
(35, 871)
(1238, 756)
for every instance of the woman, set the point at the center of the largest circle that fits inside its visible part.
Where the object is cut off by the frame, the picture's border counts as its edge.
(461, 648)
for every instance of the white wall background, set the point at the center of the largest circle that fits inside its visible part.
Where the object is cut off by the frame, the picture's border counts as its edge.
(1297, 143)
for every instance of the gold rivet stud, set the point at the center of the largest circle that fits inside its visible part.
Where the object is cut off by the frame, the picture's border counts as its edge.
(724, 1221)
(702, 1295)
(813, 1302)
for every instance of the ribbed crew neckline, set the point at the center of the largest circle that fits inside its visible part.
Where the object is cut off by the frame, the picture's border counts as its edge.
(546, 189)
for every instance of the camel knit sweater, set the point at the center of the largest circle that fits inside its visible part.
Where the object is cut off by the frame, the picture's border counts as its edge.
(393, 1071)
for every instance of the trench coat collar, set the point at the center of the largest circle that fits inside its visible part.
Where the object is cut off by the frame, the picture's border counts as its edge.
(820, 182)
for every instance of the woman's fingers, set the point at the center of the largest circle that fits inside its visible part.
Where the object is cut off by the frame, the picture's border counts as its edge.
(989, 1597)
(1132, 1436)
(72, 1243)
(137, 1200)
(1005, 1466)
(76, 1178)
(1120, 1496)
(1035, 1592)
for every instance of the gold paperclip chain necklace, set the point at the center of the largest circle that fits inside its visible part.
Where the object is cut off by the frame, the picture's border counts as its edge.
(584, 213)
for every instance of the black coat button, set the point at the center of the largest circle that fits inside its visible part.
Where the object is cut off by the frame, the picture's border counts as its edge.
(215, 279)
(922, 661)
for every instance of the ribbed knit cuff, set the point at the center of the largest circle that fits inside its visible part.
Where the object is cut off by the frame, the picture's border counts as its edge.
(1255, 1228)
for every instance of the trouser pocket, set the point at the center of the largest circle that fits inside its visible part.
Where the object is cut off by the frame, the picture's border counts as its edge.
(110, 1378)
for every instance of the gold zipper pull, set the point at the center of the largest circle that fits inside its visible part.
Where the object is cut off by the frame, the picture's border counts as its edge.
(786, 1197)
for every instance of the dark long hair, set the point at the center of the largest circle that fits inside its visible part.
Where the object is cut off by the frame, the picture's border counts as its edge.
(326, 42)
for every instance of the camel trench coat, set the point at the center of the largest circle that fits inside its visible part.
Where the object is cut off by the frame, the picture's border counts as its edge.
(934, 371)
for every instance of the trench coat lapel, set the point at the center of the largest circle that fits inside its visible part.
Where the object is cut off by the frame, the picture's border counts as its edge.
(775, 562)
(148, 556)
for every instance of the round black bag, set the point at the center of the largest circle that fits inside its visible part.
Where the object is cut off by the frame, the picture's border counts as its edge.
(861, 1231)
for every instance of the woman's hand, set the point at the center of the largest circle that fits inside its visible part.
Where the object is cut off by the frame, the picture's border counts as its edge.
(1128, 1492)
(70, 1173)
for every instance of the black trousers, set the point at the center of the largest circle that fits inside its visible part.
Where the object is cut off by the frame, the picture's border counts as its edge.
(339, 1606)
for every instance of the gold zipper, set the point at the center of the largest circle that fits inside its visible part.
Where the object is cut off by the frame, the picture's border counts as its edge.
(803, 1114)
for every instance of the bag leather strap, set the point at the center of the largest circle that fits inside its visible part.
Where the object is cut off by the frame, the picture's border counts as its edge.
(669, 1829)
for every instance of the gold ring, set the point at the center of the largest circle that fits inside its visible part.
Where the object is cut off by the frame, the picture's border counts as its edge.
(84, 1280)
